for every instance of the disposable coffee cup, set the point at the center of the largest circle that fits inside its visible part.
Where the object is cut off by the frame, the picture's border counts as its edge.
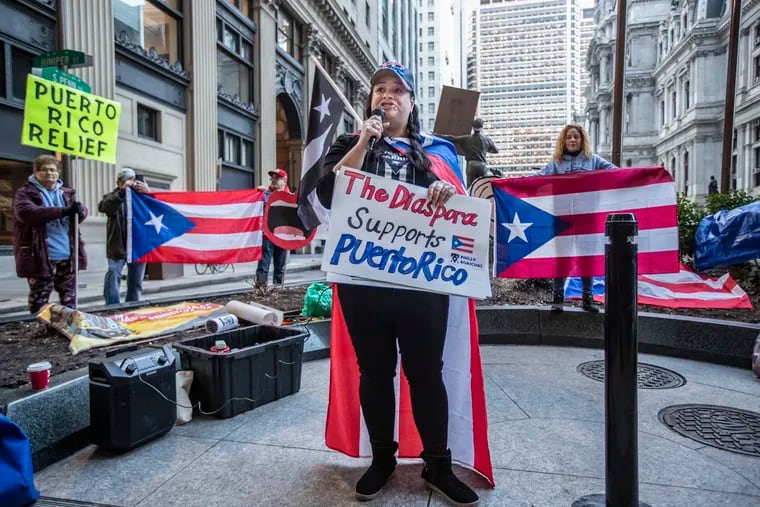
(39, 375)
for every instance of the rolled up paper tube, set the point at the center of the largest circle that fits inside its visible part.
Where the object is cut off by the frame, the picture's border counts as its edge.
(223, 323)
(252, 312)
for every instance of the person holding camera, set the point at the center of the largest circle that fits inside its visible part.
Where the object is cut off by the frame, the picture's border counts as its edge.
(43, 235)
(114, 205)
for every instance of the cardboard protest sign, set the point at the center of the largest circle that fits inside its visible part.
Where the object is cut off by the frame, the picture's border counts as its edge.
(456, 111)
(386, 231)
(59, 118)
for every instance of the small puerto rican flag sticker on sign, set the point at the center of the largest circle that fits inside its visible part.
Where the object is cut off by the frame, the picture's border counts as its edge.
(462, 244)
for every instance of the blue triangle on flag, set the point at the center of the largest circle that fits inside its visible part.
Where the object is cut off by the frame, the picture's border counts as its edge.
(154, 223)
(544, 226)
(456, 242)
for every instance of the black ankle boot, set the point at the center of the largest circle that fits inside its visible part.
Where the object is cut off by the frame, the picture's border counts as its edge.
(378, 473)
(589, 305)
(558, 302)
(439, 477)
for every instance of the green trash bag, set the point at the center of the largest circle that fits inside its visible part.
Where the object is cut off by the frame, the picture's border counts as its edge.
(318, 300)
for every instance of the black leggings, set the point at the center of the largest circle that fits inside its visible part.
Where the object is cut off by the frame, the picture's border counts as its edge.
(376, 318)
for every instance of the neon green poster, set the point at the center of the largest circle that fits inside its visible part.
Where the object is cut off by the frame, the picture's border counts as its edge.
(59, 118)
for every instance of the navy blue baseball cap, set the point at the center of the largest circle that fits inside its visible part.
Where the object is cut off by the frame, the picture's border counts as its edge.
(404, 74)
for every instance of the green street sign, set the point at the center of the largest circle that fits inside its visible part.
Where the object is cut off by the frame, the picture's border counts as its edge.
(61, 77)
(62, 58)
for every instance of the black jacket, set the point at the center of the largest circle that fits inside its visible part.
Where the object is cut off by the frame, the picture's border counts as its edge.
(115, 207)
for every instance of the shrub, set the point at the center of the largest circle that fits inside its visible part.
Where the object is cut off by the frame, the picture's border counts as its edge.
(689, 215)
(730, 200)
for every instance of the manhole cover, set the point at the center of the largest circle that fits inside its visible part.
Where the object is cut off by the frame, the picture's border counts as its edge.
(730, 429)
(649, 376)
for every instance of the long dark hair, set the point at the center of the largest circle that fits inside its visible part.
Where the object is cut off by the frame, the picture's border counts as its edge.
(416, 154)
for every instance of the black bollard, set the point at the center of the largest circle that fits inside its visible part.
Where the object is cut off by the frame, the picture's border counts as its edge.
(620, 358)
(620, 364)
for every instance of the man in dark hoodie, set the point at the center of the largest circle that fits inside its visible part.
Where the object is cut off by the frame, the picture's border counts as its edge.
(114, 205)
(43, 235)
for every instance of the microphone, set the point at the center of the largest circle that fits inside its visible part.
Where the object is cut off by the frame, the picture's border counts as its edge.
(381, 114)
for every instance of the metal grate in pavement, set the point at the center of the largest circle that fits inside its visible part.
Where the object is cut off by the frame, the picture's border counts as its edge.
(649, 376)
(46, 501)
(727, 428)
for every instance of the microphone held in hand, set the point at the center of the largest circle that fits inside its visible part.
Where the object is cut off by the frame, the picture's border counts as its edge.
(380, 113)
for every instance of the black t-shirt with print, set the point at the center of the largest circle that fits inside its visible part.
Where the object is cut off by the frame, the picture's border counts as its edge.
(383, 161)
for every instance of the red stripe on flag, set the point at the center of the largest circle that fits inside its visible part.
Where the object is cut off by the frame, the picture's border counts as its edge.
(659, 217)
(742, 302)
(481, 454)
(210, 198)
(587, 265)
(343, 410)
(226, 225)
(686, 288)
(187, 256)
(578, 182)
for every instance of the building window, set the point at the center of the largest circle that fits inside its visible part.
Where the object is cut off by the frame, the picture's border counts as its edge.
(234, 63)
(687, 94)
(431, 46)
(431, 75)
(243, 6)
(21, 65)
(673, 167)
(431, 16)
(151, 24)
(673, 105)
(431, 91)
(367, 11)
(148, 123)
(757, 35)
(289, 35)
(431, 60)
(662, 113)
(431, 124)
(431, 31)
(431, 108)
(756, 132)
(628, 104)
(685, 171)
(756, 75)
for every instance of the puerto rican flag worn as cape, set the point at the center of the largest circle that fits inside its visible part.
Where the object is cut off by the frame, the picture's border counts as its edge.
(220, 227)
(462, 370)
(553, 226)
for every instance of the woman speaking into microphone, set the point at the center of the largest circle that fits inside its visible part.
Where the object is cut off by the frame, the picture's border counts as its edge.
(383, 322)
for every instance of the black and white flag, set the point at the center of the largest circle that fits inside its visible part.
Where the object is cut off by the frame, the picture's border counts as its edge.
(325, 115)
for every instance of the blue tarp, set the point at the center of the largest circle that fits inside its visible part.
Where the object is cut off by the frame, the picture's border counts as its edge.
(728, 237)
(16, 476)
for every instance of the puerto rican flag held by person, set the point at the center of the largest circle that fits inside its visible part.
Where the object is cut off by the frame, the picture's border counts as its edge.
(325, 115)
(685, 289)
(462, 370)
(553, 226)
(222, 227)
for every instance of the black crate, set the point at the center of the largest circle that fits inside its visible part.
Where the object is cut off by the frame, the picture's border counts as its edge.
(263, 365)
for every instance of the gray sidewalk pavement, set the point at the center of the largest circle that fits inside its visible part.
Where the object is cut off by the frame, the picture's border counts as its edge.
(546, 430)
(14, 290)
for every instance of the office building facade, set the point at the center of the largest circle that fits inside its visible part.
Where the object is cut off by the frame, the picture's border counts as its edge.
(526, 60)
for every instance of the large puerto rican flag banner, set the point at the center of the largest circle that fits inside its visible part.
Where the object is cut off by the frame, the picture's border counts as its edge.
(222, 227)
(553, 226)
(462, 370)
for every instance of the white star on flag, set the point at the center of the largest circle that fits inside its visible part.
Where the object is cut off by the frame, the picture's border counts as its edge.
(156, 221)
(517, 229)
(323, 108)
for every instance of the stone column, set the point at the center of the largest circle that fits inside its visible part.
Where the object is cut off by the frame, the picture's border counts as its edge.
(202, 138)
(266, 100)
(88, 27)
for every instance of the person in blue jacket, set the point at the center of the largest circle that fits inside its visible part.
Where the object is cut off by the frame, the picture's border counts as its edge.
(572, 153)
